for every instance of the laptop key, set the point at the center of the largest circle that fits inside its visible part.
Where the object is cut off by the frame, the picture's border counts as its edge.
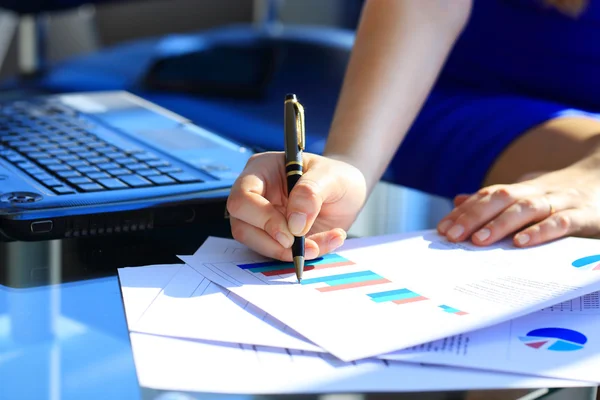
(98, 175)
(107, 166)
(148, 172)
(98, 160)
(135, 180)
(42, 176)
(118, 171)
(90, 187)
(86, 169)
(145, 157)
(125, 160)
(184, 177)
(68, 174)
(161, 179)
(79, 180)
(58, 167)
(167, 170)
(52, 182)
(63, 190)
(137, 167)
(158, 163)
(112, 183)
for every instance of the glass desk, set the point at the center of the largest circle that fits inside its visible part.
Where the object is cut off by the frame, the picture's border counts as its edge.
(63, 333)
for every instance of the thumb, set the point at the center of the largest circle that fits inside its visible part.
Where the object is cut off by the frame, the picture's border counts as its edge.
(306, 199)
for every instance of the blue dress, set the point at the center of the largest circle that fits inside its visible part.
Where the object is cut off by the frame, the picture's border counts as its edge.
(516, 65)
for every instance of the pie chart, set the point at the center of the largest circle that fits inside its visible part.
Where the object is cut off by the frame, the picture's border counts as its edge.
(554, 339)
(588, 263)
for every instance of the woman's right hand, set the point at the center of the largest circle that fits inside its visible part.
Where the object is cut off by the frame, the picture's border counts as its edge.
(322, 206)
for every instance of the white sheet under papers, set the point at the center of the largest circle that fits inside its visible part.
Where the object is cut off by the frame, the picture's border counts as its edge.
(177, 301)
(175, 364)
(378, 295)
(562, 341)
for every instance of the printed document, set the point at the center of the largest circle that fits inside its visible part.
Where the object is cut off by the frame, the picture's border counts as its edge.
(561, 341)
(175, 300)
(382, 294)
(165, 363)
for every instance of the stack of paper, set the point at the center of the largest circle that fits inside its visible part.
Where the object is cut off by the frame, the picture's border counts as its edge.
(367, 317)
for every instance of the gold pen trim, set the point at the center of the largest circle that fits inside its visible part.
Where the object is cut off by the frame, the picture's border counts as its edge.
(300, 129)
(294, 173)
(293, 163)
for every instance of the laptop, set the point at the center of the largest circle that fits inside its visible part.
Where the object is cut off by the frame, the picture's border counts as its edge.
(107, 163)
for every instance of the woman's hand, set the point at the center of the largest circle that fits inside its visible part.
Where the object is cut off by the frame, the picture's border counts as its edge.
(540, 209)
(322, 205)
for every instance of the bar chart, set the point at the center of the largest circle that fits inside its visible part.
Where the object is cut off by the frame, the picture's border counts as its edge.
(397, 296)
(273, 268)
(452, 310)
(348, 280)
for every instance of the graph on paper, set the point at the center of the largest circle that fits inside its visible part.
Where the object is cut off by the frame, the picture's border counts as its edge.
(588, 263)
(554, 339)
(588, 304)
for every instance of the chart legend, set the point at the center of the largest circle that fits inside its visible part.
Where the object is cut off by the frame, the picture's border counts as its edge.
(346, 281)
(589, 263)
(398, 296)
(273, 268)
(554, 339)
(452, 310)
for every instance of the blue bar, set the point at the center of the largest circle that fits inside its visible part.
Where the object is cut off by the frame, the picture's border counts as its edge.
(392, 297)
(275, 265)
(389, 293)
(343, 278)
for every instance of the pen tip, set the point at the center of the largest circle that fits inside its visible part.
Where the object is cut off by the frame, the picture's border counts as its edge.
(299, 266)
(290, 96)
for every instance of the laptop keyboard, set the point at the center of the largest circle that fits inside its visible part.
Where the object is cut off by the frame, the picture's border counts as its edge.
(60, 153)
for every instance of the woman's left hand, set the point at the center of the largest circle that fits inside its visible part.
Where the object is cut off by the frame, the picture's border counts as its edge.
(535, 211)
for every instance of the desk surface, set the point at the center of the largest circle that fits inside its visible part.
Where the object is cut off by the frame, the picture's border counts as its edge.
(63, 333)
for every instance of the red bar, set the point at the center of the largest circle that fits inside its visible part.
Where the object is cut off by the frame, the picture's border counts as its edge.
(353, 285)
(461, 313)
(411, 300)
(307, 268)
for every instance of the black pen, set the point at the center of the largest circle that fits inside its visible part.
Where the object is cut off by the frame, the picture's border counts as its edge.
(294, 145)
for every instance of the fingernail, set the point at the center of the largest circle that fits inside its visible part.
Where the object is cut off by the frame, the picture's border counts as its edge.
(523, 238)
(443, 227)
(296, 223)
(483, 234)
(456, 231)
(311, 253)
(283, 239)
(335, 243)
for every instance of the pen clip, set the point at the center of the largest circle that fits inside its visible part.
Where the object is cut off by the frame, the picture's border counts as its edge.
(300, 125)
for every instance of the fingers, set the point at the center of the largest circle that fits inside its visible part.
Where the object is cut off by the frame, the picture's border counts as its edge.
(460, 199)
(246, 203)
(328, 241)
(259, 241)
(481, 208)
(557, 225)
(307, 197)
(522, 213)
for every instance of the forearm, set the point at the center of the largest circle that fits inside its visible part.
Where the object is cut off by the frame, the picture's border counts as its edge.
(400, 47)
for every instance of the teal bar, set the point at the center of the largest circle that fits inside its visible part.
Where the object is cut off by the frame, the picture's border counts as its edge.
(389, 293)
(336, 279)
(392, 297)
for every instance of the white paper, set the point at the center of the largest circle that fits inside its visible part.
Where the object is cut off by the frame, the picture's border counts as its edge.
(177, 301)
(531, 344)
(455, 288)
(174, 364)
